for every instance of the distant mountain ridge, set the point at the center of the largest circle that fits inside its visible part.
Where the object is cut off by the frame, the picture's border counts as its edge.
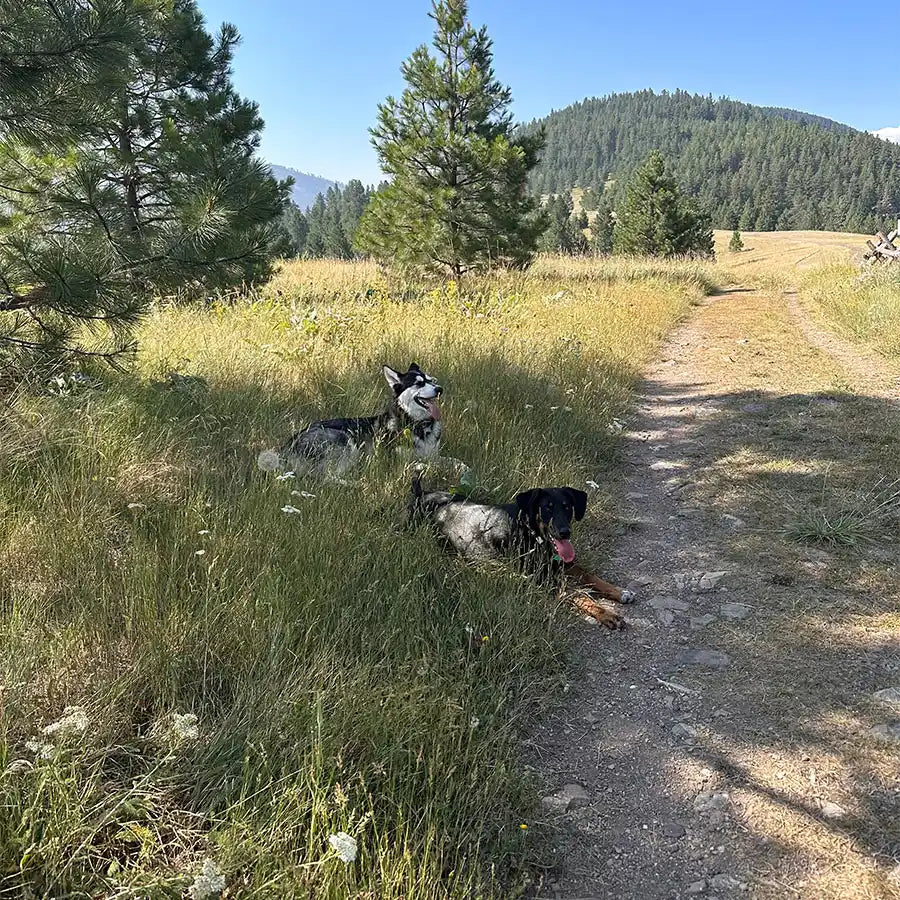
(306, 187)
(755, 168)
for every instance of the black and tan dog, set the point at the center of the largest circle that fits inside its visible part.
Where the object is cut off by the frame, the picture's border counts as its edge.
(536, 529)
(337, 443)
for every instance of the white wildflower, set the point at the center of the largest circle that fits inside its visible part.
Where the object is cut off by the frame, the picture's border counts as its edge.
(474, 722)
(567, 409)
(204, 531)
(285, 476)
(344, 846)
(199, 553)
(305, 494)
(529, 406)
(554, 408)
(592, 484)
(184, 727)
(469, 629)
(209, 883)
(39, 749)
(290, 510)
(74, 721)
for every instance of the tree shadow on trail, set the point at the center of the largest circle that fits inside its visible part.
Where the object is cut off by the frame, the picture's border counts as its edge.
(742, 483)
(797, 498)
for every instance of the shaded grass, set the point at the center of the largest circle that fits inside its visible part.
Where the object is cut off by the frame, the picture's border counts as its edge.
(346, 675)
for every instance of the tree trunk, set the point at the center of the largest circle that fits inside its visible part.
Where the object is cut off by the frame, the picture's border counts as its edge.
(129, 177)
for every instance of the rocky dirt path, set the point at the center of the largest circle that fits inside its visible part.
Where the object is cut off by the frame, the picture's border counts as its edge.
(732, 742)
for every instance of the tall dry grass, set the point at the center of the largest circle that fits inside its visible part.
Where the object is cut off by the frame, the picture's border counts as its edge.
(346, 674)
(865, 304)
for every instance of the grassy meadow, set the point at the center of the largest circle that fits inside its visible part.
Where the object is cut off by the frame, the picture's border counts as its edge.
(858, 301)
(863, 305)
(346, 675)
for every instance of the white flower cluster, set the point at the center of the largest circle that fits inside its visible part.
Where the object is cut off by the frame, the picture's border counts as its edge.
(39, 749)
(209, 883)
(184, 727)
(344, 846)
(74, 721)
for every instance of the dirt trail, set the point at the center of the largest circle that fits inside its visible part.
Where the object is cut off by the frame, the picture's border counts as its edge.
(728, 743)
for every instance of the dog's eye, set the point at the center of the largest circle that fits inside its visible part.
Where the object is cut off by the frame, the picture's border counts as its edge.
(420, 379)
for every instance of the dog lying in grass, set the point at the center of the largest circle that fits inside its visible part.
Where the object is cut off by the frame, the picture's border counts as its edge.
(535, 529)
(337, 443)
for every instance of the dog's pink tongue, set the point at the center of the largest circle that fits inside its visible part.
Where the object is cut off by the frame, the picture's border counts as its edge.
(565, 550)
(435, 410)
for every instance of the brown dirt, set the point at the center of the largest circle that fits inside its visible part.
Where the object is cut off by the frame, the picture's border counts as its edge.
(753, 415)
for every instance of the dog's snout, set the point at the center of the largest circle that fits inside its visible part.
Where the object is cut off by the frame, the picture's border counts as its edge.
(438, 390)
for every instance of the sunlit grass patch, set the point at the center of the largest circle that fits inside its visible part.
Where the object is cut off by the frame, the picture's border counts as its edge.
(864, 304)
(849, 518)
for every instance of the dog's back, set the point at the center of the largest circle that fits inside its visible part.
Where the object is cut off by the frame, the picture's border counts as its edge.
(476, 530)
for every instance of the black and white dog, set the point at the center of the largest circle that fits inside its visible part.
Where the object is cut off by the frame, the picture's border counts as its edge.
(536, 529)
(337, 443)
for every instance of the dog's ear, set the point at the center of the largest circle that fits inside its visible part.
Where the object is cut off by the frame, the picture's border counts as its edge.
(579, 502)
(527, 499)
(393, 379)
(414, 367)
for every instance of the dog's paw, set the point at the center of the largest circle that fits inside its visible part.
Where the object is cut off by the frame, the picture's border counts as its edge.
(609, 619)
(627, 596)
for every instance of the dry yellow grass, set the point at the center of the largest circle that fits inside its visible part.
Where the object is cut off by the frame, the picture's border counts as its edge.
(335, 662)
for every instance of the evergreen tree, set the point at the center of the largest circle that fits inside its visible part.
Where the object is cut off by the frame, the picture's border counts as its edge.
(564, 232)
(316, 220)
(336, 244)
(333, 219)
(141, 179)
(457, 199)
(558, 211)
(602, 229)
(296, 227)
(354, 200)
(735, 245)
(656, 220)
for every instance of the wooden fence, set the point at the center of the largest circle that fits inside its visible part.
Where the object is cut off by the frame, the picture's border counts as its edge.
(885, 250)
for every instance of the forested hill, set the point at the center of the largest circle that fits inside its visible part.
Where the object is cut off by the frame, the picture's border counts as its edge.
(753, 167)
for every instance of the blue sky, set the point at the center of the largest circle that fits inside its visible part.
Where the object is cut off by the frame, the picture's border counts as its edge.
(318, 69)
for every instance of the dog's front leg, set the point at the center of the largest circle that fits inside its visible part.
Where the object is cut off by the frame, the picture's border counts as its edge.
(606, 590)
(601, 614)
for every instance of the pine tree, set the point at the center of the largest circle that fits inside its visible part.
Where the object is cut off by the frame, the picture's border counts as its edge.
(354, 200)
(735, 245)
(558, 212)
(457, 199)
(336, 244)
(316, 219)
(296, 227)
(656, 220)
(142, 179)
(602, 228)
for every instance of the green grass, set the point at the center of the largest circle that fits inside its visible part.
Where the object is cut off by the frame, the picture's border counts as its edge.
(346, 674)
